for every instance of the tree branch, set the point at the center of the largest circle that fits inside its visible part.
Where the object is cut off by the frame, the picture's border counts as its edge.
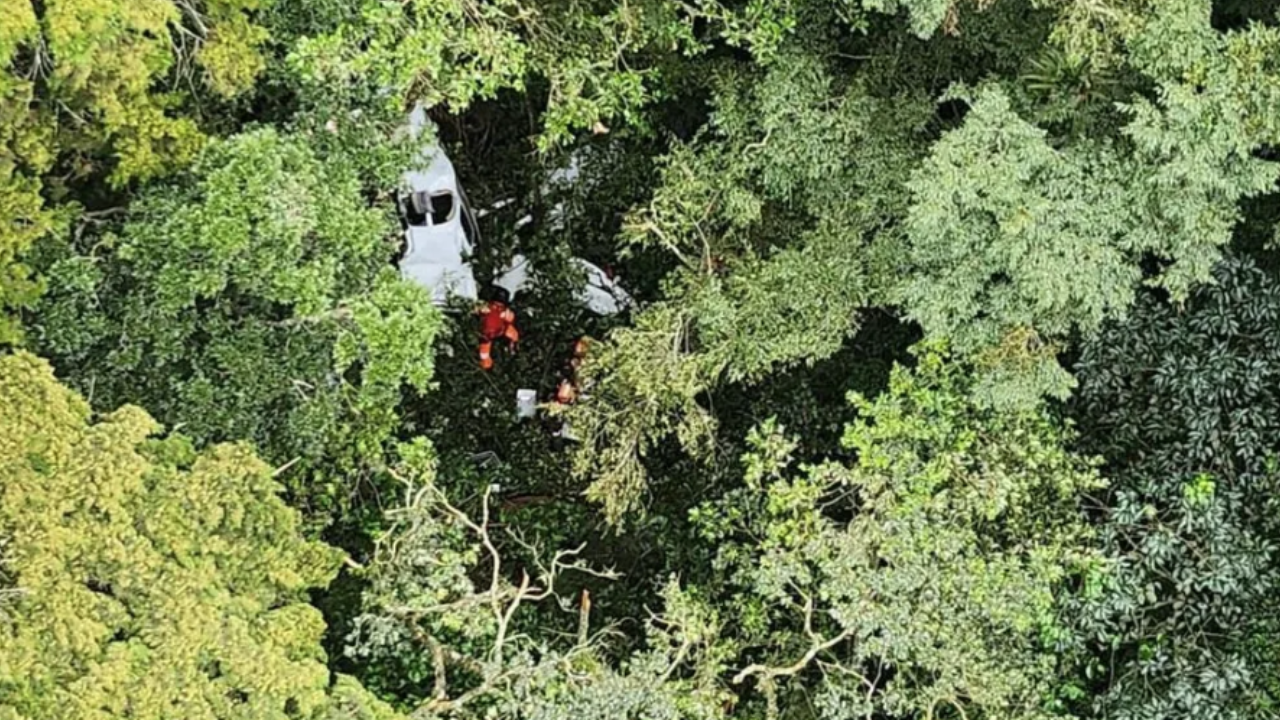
(769, 673)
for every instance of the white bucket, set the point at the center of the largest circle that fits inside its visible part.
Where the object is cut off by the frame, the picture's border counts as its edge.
(526, 403)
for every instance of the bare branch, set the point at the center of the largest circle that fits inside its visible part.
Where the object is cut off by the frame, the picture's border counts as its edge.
(768, 673)
(584, 617)
(285, 467)
(196, 18)
(501, 598)
(441, 688)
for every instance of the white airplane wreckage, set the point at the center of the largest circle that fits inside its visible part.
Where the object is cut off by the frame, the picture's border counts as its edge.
(440, 233)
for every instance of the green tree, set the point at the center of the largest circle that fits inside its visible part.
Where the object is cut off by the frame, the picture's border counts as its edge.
(150, 580)
(773, 214)
(24, 150)
(590, 66)
(923, 580)
(822, 188)
(253, 298)
(1011, 238)
(1183, 405)
(102, 88)
(453, 53)
(449, 622)
(795, 192)
(106, 75)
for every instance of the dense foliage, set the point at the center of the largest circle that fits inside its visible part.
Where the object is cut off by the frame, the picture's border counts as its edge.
(1185, 404)
(290, 330)
(951, 388)
(922, 577)
(149, 579)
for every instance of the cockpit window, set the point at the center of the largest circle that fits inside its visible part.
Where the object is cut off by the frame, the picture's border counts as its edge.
(423, 209)
(441, 208)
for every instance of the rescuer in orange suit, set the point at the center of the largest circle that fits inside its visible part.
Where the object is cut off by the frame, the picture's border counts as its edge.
(496, 321)
(567, 392)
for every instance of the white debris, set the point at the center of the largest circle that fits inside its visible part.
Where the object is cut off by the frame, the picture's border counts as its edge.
(526, 403)
(438, 247)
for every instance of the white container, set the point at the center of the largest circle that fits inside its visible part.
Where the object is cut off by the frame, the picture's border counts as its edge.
(526, 403)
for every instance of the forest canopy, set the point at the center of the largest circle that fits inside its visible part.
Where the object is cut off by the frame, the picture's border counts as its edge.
(943, 382)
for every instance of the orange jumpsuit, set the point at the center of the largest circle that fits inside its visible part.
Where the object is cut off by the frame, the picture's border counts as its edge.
(496, 321)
